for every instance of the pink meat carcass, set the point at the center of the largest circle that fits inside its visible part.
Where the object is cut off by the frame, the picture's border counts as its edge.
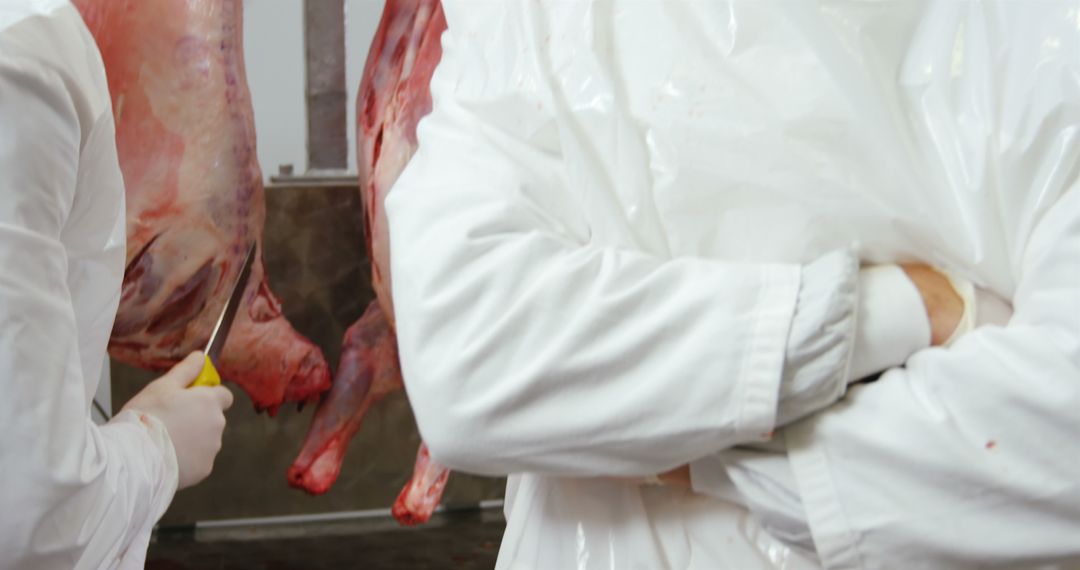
(393, 97)
(186, 139)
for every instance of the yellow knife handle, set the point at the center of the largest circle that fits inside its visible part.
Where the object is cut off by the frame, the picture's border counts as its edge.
(208, 376)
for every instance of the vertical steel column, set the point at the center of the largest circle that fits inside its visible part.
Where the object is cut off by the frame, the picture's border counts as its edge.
(324, 43)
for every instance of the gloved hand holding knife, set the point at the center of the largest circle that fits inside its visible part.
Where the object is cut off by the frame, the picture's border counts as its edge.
(189, 399)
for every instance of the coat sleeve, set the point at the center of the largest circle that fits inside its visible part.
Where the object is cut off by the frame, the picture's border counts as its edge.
(531, 342)
(966, 457)
(74, 495)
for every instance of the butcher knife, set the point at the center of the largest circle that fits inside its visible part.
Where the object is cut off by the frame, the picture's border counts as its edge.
(209, 375)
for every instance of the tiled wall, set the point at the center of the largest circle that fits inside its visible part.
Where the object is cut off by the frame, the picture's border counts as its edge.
(318, 267)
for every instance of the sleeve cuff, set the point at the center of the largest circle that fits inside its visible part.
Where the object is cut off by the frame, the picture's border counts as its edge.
(708, 476)
(761, 480)
(764, 364)
(163, 478)
(169, 474)
(821, 341)
(892, 321)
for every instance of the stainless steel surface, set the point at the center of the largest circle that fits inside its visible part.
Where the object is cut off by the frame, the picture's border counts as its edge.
(321, 178)
(288, 521)
(459, 539)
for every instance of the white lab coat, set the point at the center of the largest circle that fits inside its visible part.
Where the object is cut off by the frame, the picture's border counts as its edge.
(74, 495)
(600, 249)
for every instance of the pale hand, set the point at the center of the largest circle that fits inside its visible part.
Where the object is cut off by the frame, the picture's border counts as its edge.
(194, 417)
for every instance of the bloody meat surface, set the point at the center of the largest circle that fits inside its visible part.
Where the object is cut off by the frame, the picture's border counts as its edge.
(393, 97)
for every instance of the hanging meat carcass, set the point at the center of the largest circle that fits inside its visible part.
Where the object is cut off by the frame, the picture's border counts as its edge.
(393, 97)
(186, 140)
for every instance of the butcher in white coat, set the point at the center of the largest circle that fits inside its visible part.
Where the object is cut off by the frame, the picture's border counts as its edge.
(75, 495)
(639, 236)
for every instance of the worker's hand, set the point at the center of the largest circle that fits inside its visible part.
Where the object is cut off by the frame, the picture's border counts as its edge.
(945, 306)
(678, 477)
(194, 417)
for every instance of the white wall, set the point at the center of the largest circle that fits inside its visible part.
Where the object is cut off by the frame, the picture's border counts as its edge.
(274, 54)
(274, 58)
(361, 19)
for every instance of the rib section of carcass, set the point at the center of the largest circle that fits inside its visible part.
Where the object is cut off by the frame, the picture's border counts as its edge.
(186, 140)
